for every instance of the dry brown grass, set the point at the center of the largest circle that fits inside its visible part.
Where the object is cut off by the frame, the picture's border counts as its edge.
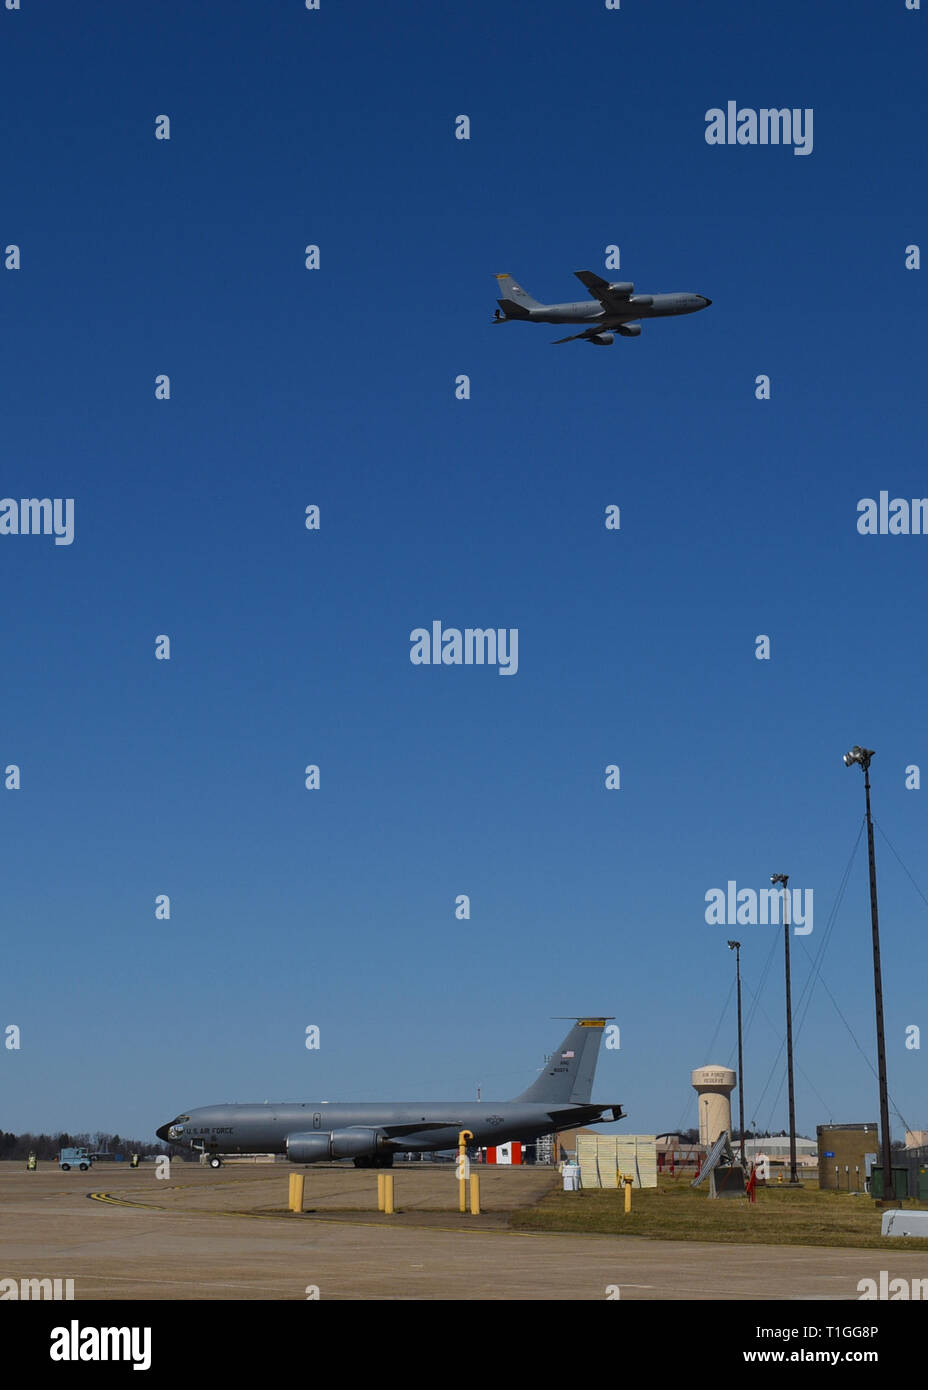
(675, 1211)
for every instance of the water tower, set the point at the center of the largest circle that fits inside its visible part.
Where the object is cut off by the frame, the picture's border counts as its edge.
(713, 1085)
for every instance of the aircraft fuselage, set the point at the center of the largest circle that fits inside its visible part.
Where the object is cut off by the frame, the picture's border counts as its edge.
(639, 306)
(259, 1128)
(371, 1132)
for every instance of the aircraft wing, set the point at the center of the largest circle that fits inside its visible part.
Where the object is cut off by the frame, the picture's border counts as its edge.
(609, 296)
(587, 333)
(397, 1131)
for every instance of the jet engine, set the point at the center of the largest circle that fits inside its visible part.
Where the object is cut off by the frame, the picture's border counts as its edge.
(347, 1143)
(308, 1148)
(337, 1143)
(603, 339)
(642, 301)
(630, 330)
(626, 287)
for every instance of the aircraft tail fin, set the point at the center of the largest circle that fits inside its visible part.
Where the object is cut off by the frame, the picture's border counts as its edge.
(567, 1078)
(513, 297)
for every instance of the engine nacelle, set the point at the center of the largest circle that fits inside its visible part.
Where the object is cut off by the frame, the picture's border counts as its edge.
(630, 330)
(316, 1147)
(349, 1143)
(624, 287)
(308, 1148)
(603, 339)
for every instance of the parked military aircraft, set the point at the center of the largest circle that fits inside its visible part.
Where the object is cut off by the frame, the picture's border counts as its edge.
(371, 1133)
(616, 305)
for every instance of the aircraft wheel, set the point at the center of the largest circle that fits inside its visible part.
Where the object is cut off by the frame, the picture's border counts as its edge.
(363, 1162)
(215, 1162)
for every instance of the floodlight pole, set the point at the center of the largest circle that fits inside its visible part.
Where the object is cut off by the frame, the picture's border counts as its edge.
(793, 1175)
(863, 756)
(736, 947)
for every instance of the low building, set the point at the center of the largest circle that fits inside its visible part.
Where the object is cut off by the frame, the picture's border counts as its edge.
(846, 1154)
(776, 1147)
(676, 1154)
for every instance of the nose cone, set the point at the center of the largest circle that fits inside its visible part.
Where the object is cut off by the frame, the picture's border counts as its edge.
(173, 1131)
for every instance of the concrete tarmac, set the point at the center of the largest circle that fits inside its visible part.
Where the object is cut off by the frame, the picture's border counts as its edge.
(204, 1234)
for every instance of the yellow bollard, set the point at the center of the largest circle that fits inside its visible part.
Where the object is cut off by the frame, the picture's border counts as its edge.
(380, 1178)
(296, 1191)
(461, 1169)
(628, 1192)
(475, 1194)
(388, 1193)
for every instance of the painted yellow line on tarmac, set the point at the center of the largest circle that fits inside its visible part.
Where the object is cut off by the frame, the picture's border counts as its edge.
(121, 1202)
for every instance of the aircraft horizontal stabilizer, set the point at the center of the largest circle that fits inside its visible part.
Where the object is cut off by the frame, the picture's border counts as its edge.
(513, 310)
(608, 1114)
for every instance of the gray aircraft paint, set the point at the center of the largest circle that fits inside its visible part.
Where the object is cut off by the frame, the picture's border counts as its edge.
(315, 1131)
(615, 307)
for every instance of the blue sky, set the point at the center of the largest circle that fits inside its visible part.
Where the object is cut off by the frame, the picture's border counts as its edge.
(336, 387)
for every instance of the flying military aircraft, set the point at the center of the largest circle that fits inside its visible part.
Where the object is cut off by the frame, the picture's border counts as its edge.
(372, 1132)
(616, 305)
